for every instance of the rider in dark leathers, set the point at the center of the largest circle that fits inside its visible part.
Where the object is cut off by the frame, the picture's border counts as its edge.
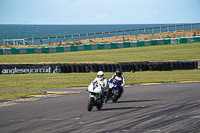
(119, 77)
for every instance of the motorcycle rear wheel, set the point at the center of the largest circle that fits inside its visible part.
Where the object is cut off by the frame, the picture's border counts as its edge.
(115, 100)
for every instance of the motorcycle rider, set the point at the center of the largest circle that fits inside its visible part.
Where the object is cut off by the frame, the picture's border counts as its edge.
(119, 77)
(100, 79)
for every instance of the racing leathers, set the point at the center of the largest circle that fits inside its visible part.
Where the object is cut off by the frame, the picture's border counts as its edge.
(103, 82)
(121, 79)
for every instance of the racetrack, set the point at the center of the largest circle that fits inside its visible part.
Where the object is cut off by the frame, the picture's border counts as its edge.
(160, 108)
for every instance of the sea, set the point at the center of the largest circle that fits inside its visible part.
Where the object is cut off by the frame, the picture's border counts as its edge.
(36, 32)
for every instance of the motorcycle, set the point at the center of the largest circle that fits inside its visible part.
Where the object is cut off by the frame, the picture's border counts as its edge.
(113, 90)
(96, 97)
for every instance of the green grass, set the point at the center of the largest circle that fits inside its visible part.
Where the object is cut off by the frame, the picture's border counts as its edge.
(16, 94)
(134, 54)
(63, 80)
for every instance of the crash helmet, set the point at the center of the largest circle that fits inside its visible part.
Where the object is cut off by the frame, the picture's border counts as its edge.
(118, 72)
(100, 75)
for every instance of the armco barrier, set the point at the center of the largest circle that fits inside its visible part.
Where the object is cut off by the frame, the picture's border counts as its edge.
(85, 68)
(100, 46)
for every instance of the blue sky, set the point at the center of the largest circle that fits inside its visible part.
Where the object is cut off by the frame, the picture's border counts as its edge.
(99, 11)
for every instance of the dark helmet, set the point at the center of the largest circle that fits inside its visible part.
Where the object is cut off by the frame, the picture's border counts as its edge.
(118, 72)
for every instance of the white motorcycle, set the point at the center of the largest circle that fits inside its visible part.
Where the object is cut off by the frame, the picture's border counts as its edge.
(96, 97)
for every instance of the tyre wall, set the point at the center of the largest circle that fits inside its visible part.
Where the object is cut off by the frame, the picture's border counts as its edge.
(86, 68)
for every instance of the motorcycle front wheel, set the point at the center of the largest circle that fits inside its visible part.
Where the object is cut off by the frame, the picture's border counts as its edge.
(99, 105)
(90, 104)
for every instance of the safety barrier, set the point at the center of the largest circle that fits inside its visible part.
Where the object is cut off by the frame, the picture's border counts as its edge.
(85, 68)
(99, 46)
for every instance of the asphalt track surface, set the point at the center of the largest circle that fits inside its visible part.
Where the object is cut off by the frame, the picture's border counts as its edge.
(158, 108)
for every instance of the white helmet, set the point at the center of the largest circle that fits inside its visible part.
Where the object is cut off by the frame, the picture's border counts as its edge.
(100, 75)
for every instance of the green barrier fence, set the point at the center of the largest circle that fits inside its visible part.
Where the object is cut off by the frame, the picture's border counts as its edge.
(140, 43)
(1, 51)
(60, 49)
(114, 45)
(74, 48)
(197, 39)
(30, 50)
(45, 49)
(153, 42)
(15, 50)
(101, 46)
(127, 44)
(87, 46)
(167, 41)
(182, 40)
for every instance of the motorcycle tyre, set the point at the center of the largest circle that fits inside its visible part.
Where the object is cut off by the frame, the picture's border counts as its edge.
(99, 106)
(108, 97)
(115, 100)
(90, 104)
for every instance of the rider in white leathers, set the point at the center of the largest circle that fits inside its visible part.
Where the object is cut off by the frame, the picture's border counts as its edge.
(101, 80)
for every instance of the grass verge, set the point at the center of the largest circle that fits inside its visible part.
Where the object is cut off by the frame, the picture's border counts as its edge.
(16, 94)
(134, 54)
(64, 80)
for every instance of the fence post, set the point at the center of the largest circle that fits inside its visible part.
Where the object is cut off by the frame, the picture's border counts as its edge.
(72, 38)
(4, 42)
(191, 27)
(109, 35)
(32, 41)
(183, 28)
(102, 35)
(41, 40)
(64, 38)
(175, 28)
(94, 35)
(130, 32)
(160, 30)
(87, 35)
(79, 37)
(7, 42)
(168, 28)
(152, 31)
(24, 41)
(14, 42)
(137, 31)
(56, 39)
(144, 31)
(116, 34)
(48, 41)
(123, 35)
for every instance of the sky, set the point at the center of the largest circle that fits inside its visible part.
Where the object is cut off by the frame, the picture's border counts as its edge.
(73, 12)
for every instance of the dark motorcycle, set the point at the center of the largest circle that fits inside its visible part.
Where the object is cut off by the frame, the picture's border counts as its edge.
(113, 91)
